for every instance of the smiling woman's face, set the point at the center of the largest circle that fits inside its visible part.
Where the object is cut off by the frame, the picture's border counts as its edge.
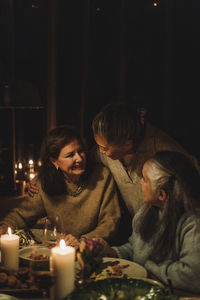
(71, 160)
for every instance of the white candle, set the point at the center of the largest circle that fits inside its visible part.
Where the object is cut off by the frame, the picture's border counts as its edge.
(10, 250)
(63, 266)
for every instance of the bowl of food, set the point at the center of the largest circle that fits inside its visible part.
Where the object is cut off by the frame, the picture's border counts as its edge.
(35, 257)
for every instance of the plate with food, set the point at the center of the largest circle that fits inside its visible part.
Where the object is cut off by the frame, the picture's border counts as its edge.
(17, 282)
(22, 283)
(121, 268)
(35, 256)
(93, 265)
(117, 267)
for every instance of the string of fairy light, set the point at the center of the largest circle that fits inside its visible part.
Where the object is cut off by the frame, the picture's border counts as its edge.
(25, 171)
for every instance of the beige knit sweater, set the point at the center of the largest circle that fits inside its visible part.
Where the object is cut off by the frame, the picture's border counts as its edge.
(95, 212)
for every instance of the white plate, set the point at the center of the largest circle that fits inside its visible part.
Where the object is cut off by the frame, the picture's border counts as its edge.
(132, 271)
(24, 256)
(25, 252)
(7, 297)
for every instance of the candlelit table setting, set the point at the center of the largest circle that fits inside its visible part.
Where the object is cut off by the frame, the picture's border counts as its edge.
(15, 279)
(36, 271)
(26, 271)
(58, 262)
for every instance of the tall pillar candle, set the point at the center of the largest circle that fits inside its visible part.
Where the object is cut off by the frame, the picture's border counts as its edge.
(10, 250)
(63, 266)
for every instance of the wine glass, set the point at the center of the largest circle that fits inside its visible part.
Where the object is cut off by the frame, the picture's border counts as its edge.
(51, 234)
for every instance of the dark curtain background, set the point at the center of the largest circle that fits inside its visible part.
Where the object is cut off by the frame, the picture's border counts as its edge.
(103, 51)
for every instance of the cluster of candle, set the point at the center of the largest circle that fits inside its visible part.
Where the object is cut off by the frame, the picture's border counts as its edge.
(62, 263)
(27, 171)
(31, 169)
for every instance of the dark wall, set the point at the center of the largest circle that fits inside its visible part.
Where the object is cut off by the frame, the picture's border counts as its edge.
(108, 51)
(69, 60)
(186, 64)
(133, 52)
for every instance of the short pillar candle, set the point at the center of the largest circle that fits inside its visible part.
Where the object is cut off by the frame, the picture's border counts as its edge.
(10, 250)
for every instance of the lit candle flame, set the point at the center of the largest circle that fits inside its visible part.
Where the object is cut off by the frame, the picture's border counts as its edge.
(54, 231)
(32, 175)
(20, 165)
(62, 244)
(9, 232)
(30, 162)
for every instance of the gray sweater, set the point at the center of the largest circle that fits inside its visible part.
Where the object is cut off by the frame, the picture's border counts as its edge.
(184, 272)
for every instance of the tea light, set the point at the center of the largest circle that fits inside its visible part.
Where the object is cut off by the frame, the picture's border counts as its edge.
(62, 264)
(31, 166)
(10, 250)
(20, 166)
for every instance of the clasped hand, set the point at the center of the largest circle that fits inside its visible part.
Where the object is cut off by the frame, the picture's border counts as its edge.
(74, 242)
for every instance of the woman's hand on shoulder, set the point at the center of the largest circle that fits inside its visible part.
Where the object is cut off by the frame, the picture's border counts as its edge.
(32, 188)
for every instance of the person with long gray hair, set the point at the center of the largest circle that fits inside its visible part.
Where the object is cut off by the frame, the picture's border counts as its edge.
(166, 230)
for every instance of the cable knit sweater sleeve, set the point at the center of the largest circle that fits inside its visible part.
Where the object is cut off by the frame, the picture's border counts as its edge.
(184, 273)
(29, 211)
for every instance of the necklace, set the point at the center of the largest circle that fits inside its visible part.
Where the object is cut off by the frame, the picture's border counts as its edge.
(73, 189)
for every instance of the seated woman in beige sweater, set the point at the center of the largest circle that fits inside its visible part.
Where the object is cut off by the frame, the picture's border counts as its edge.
(80, 195)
